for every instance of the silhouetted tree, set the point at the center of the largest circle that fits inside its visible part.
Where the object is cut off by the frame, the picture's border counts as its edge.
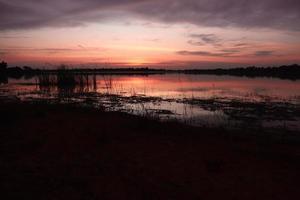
(3, 66)
(3, 76)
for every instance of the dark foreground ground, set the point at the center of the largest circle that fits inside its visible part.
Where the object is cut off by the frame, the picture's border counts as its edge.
(63, 152)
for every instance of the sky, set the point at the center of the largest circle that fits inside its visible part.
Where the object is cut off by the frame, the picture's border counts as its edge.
(150, 33)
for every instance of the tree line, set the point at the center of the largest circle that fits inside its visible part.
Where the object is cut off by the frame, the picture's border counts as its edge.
(284, 72)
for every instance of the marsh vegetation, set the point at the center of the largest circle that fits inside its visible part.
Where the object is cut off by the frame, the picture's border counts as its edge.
(200, 100)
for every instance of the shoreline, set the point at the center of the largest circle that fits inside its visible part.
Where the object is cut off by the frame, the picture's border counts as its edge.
(62, 151)
(285, 72)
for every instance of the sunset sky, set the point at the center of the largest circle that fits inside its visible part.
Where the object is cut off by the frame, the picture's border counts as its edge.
(153, 33)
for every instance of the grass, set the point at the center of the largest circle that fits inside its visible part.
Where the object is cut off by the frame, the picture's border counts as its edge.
(67, 82)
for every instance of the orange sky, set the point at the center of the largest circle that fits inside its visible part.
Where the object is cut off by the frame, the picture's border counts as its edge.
(144, 43)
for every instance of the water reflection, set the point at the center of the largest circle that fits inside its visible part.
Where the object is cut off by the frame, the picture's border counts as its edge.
(3, 79)
(194, 99)
(66, 85)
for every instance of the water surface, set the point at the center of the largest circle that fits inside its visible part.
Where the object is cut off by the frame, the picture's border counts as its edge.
(202, 100)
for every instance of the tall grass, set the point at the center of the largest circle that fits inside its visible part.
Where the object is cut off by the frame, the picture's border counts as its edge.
(67, 81)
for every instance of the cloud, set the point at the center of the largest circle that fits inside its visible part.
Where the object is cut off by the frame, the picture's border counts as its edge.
(196, 43)
(278, 14)
(222, 46)
(13, 37)
(263, 53)
(152, 40)
(79, 48)
(204, 39)
(204, 53)
(230, 52)
(275, 14)
(176, 64)
(241, 45)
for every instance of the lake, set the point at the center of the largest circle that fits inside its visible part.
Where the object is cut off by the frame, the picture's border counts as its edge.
(200, 100)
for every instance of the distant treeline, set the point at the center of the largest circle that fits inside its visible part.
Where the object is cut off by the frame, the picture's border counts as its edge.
(284, 72)
(26, 70)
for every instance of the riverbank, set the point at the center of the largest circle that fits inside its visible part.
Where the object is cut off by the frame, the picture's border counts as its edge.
(60, 151)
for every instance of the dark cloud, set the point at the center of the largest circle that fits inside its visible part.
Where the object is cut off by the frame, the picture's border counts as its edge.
(203, 53)
(18, 14)
(241, 45)
(197, 64)
(196, 43)
(231, 50)
(263, 53)
(206, 38)
(282, 14)
(277, 14)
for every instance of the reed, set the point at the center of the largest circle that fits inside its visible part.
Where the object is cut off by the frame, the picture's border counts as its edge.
(67, 80)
